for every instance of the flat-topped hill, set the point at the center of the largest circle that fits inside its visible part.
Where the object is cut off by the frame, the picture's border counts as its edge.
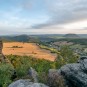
(71, 36)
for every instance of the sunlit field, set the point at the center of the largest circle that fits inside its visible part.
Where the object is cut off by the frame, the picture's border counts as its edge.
(27, 49)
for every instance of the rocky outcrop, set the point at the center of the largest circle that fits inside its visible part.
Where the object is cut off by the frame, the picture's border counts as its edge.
(33, 74)
(75, 74)
(26, 83)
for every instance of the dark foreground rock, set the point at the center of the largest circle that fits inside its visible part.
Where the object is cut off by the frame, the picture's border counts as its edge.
(75, 74)
(26, 83)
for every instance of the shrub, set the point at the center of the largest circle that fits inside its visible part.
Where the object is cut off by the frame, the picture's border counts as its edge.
(16, 47)
(22, 66)
(66, 56)
(6, 71)
(23, 63)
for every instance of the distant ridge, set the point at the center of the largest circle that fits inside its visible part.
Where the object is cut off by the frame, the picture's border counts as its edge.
(20, 38)
(71, 36)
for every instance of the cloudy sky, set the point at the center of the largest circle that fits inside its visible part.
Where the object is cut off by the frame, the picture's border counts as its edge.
(43, 16)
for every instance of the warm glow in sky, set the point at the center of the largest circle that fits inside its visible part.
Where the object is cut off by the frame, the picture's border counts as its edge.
(43, 16)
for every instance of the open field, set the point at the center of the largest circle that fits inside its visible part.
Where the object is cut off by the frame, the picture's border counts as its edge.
(27, 49)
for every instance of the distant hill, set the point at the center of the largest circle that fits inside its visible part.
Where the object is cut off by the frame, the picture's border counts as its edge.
(19, 38)
(28, 38)
(42, 38)
(83, 35)
(71, 36)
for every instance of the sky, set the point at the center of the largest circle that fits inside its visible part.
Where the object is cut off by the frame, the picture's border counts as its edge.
(43, 17)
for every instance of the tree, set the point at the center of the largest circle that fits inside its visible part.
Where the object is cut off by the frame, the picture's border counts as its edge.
(66, 56)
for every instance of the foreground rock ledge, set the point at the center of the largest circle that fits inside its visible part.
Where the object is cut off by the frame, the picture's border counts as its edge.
(72, 75)
(75, 74)
(26, 83)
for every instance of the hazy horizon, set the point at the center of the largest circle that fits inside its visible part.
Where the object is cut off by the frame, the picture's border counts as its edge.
(34, 17)
(38, 34)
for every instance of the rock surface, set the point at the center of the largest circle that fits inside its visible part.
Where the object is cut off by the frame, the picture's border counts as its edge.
(26, 83)
(33, 74)
(75, 74)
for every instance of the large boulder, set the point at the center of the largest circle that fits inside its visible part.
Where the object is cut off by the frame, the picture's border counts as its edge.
(75, 74)
(26, 83)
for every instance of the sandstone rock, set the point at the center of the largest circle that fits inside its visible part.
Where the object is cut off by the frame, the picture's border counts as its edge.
(26, 83)
(33, 74)
(75, 74)
(37, 85)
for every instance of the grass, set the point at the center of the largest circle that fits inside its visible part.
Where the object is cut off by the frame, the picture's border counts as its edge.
(28, 49)
(52, 50)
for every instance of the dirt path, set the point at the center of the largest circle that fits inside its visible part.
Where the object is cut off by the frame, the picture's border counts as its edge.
(28, 49)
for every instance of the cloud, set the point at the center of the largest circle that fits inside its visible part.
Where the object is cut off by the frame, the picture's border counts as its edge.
(64, 11)
(43, 16)
(85, 28)
(26, 4)
(67, 10)
(15, 18)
